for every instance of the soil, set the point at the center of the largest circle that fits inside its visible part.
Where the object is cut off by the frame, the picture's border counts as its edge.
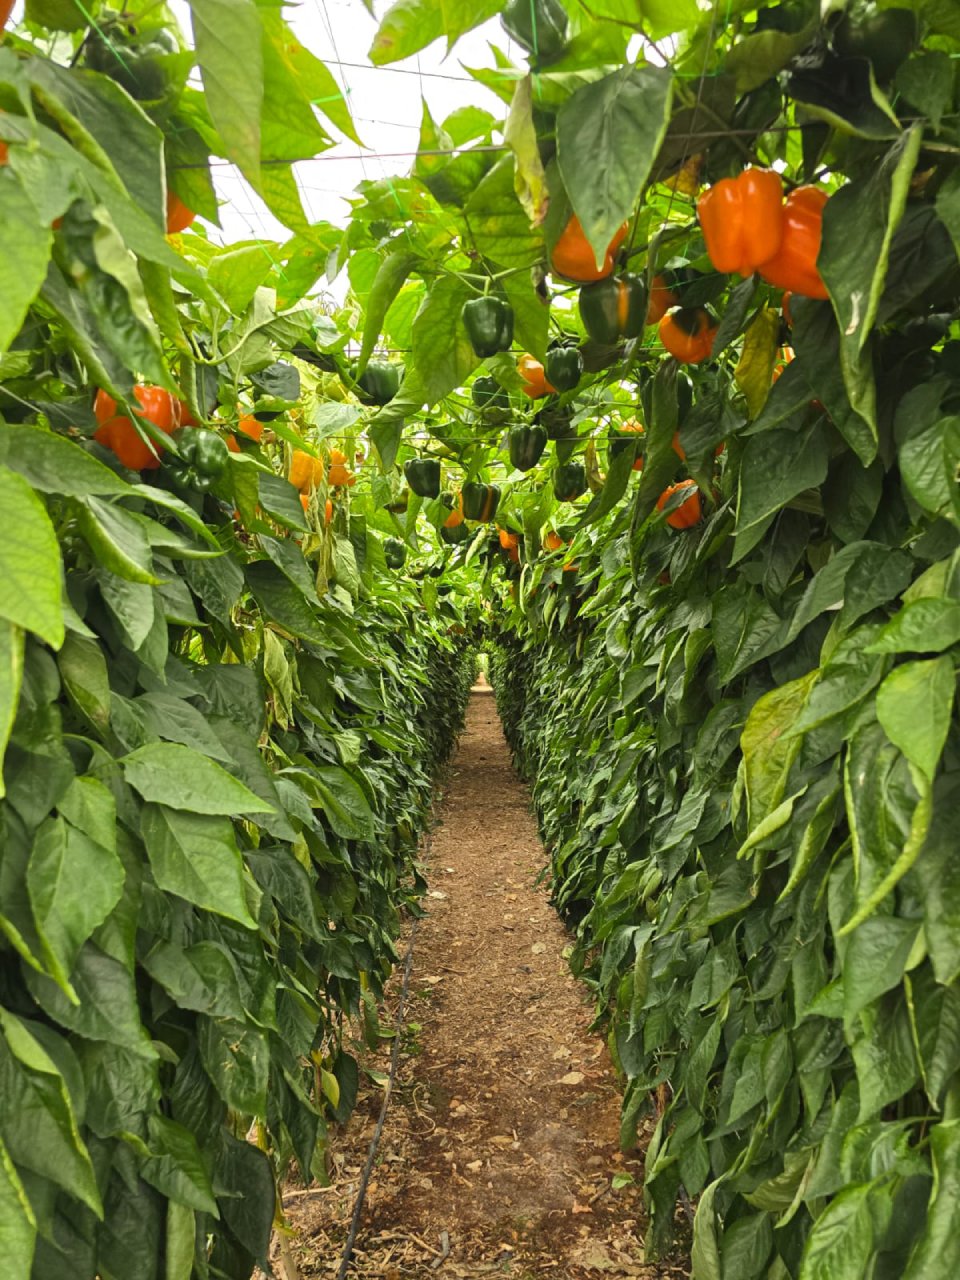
(500, 1151)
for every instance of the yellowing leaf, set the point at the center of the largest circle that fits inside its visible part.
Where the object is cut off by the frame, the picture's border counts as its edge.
(754, 372)
(520, 134)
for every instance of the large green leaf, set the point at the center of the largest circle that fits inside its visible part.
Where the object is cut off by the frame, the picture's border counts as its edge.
(608, 135)
(196, 857)
(174, 775)
(23, 265)
(30, 570)
(914, 704)
(858, 226)
(442, 353)
(233, 85)
(74, 883)
(18, 1224)
(37, 1116)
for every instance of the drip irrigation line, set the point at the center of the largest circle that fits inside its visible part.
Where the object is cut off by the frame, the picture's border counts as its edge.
(378, 1132)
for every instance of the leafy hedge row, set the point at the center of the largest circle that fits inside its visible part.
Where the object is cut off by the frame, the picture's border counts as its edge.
(208, 829)
(745, 754)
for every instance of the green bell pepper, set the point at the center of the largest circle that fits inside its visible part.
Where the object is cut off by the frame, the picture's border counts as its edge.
(539, 26)
(563, 367)
(489, 325)
(488, 394)
(614, 309)
(379, 382)
(570, 482)
(201, 460)
(423, 476)
(480, 500)
(526, 446)
(395, 553)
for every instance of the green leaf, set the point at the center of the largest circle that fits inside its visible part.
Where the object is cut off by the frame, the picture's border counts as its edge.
(776, 466)
(118, 539)
(180, 1242)
(24, 264)
(391, 274)
(83, 668)
(18, 1226)
(283, 603)
(168, 773)
(233, 85)
(520, 135)
(11, 675)
(196, 857)
(30, 569)
(608, 135)
(841, 1240)
(237, 274)
(875, 961)
(889, 807)
(53, 464)
(343, 802)
(237, 1059)
(924, 626)
(74, 883)
(37, 1116)
(442, 353)
(948, 206)
(405, 28)
(914, 704)
(938, 1249)
(768, 750)
(176, 1167)
(531, 314)
(498, 224)
(854, 267)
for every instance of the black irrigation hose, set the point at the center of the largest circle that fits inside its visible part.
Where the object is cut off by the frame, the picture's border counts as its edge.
(378, 1132)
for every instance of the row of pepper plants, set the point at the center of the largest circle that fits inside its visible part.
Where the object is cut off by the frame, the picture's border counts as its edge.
(685, 325)
(222, 711)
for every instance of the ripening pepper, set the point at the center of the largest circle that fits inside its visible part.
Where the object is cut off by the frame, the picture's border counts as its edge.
(119, 434)
(614, 309)
(489, 325)
(453, 502)
(179, 217)
(338, 473)
(534, 377)
(573, 258)
(202, 459)
(306, 471)
(489, 395)
(480, 500)
(563, 367)
(742, 220)
(395, 553)
(689, 512)
(458, 533)
(661, 299)
(570, 482)
(379, 382)
(539, 26)
(423, 476)
(629, 435)
(688, 334)
(794, 265)
(526, 446)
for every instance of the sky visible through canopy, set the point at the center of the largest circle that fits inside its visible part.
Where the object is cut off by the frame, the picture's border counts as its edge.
(386, 103)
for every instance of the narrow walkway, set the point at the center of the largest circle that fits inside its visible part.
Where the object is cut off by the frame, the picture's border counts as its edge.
(500, 1153)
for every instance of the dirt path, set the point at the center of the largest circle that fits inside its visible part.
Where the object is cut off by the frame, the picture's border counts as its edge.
(499, 1155)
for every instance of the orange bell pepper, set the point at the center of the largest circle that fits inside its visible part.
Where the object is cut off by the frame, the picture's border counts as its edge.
(794, 265)
(688, 334)
(689, 511)
(534, 377)
(573, 258)
(742, 220)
